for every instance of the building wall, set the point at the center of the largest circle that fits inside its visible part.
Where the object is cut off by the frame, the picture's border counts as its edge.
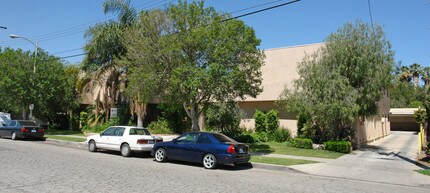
(372, 128)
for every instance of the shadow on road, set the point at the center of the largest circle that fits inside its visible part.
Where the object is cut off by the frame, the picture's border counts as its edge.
(220, 167)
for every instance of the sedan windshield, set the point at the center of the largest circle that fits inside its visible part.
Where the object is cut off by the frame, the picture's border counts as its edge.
(222, 138)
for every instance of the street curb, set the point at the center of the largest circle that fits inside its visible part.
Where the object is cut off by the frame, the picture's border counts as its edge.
(82, 145)
(275, 167)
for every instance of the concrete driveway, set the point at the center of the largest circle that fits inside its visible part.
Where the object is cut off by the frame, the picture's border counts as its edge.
(388, 160)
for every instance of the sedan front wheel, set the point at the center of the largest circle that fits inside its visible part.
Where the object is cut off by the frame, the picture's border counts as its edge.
(92, 147)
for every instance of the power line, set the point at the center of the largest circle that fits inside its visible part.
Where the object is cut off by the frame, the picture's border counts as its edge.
(82, 27)
(370, 14)
(261, 10)
(236, 17)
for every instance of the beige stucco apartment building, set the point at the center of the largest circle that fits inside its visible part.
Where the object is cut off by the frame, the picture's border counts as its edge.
(279, 71)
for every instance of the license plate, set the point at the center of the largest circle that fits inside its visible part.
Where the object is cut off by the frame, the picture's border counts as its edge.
(241, 150)
(33, 131)
(150, 141)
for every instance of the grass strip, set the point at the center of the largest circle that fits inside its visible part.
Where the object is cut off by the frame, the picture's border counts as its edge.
(64, 132)
(65, 138)
(284, 148)
(425, 172)
(280, 161)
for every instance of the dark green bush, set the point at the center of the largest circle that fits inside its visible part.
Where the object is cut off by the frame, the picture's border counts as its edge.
(224, 116)
(338, 146)
(302, 143)
(272, 121)
(245, 138)
(280, 135)
(260, 121)
(302, 119)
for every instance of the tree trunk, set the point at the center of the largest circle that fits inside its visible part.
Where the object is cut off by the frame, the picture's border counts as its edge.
(24, 112)
(141, 112)
(139, 120)
(193, 112)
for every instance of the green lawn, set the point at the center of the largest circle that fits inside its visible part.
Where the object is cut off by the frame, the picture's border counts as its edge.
(65, 138)
(284, 148)
(64, 132)
(280, 161)
(425, 172)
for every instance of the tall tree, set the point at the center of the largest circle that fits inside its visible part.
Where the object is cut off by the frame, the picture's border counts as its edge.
(357, 60)
(105, 43)
(425, 76)
(216, 61)
(147, 59)
(415, 70)
(404, 74)
(50, 91)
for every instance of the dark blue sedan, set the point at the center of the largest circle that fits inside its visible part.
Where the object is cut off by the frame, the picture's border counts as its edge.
(21, 129)
(208, 148)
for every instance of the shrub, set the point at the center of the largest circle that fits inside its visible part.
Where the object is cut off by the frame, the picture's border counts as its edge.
(96, 128)
(161, 126)
(224, 116)
(302, 143)
(272, 121)
(260, 136)
(302, 119)
(280, 135)
(338, 146)
(245, 138)
(260, 121)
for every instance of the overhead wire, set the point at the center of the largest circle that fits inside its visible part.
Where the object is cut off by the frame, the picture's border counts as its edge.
(82, 27)
(236, 17)
(78, 28)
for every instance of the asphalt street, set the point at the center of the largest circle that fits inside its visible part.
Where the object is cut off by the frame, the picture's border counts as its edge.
(37, 166)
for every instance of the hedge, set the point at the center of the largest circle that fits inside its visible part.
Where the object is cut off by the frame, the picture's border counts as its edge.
(302, 143)
(338, 146)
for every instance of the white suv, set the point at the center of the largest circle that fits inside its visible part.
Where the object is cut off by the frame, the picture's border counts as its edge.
(123, 138)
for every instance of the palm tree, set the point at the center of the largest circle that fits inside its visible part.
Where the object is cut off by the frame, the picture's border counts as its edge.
(105, 43)
(415, 70)
(404, 74)
(425, 76)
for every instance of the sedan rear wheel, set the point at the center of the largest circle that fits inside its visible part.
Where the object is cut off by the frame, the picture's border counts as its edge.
(125, 150)
(13, 136)
(160, 155)
(92, 147)
(209, 161)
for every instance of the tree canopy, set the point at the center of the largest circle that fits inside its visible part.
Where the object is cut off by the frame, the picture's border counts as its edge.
(343, 80)
(50, 88)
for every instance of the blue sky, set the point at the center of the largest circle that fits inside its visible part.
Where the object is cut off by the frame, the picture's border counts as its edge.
(59, 25)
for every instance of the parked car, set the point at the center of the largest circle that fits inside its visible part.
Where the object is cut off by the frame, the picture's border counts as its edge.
(125, 139)
(21, 129)
(207, 148)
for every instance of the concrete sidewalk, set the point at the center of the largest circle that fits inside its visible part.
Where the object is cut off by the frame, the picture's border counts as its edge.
(388, 160)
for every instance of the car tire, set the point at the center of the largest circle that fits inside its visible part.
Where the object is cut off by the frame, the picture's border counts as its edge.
(125, 150)
(209, 161)
(92, 147)
(160, 155)
(13, 136)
